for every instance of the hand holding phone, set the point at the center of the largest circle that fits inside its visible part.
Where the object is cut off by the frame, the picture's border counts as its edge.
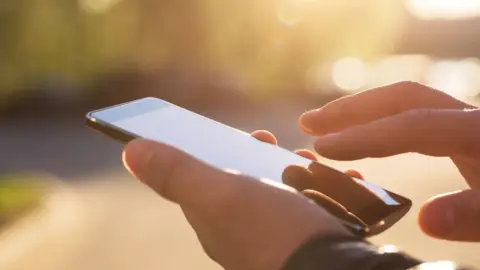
(223, 147)
(242, 223)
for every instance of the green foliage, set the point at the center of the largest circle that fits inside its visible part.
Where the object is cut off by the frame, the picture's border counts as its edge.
(18, 194)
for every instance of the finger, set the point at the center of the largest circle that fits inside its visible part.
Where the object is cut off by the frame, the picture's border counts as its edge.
(430, 132)
(332, 183)
(265, 136)
(321, 178)
(454, 216)
(355, 173)
(307, 154)
(326, 202)
(339, 186)
(298, 177)
(373, 104)
(175, 175)
(332, 206)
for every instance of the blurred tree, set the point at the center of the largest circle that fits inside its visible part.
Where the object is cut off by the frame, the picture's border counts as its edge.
(269, 45)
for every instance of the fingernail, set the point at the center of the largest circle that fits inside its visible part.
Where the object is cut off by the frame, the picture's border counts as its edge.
(308, 120)
(355, 174)
(137, 155)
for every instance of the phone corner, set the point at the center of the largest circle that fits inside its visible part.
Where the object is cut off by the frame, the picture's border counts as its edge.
(88, 117)
(150, 98)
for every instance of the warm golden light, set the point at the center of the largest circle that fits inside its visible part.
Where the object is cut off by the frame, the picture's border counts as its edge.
(291, 12)
(444, 9)
(457, 77)
(388, 249)
(97, 6)
(350, 74)
(438, 266)
(397, 68)
(460, 79)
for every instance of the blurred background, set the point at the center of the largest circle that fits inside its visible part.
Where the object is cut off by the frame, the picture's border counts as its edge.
(66, 202)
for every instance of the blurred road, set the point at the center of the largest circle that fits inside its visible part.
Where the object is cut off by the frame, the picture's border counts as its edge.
(100, 218)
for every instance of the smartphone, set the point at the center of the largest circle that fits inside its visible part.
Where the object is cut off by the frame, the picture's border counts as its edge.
(224, 147)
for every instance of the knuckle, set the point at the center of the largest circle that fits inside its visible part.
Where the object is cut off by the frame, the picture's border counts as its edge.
(406, 87)
(468, 129)
(419, 124)
(399, 95)
(418, 116)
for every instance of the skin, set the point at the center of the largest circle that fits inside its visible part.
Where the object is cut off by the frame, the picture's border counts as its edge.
(242, 223)
(322, 184)
(402, 118)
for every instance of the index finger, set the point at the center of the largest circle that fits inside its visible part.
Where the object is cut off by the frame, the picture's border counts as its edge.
(429, 132)
(374, 104)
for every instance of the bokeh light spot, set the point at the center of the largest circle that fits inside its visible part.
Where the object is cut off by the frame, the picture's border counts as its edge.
(350, 74)
(97, 6)
(460, 79)
(444, 9)
(291, 12)
(397, 68)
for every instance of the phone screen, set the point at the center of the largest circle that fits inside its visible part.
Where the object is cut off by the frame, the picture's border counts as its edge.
(224, 147)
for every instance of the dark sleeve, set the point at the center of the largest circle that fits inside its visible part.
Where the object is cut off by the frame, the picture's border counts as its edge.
(351, 253)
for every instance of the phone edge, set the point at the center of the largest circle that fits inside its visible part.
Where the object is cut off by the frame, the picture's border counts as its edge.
(121, 136)
(110, 132)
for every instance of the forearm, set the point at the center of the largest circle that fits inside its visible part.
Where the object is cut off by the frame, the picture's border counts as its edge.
(348, 253)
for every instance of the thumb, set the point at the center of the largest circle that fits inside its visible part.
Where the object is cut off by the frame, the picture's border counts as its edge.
(174, 174)
(454, 216)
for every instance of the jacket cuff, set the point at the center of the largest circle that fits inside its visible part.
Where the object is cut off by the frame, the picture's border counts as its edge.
(345, 253)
